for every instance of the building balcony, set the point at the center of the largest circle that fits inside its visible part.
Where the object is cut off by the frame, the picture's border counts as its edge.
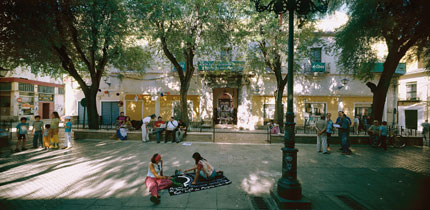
(229, 66)
(400, 70)
(316, 68)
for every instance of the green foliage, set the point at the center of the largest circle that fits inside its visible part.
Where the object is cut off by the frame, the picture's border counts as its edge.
(401, 24)
(269, 41)
(199, 25)
(76, 36)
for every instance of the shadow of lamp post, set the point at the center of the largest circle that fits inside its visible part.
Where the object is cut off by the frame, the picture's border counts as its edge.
(288, 192)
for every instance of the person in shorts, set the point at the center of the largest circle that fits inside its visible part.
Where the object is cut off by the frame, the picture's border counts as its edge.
(22, 129)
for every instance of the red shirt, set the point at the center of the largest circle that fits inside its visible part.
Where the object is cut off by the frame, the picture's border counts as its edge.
(158, 123)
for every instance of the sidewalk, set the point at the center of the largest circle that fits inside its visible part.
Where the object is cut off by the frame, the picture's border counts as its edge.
(99, 174)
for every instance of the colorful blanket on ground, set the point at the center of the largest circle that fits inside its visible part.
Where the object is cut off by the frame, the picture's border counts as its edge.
(187, 179)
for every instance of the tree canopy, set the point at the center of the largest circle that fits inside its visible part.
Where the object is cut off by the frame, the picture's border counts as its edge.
(182, 30)
(401, 24)
(77, 37)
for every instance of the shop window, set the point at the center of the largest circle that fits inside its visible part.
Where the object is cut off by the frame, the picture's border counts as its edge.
(269, 111)
(363, 110)
(61, 91)
(46, 89)
(316, 55)
(313, 112)
(411, 91)
(26, 87)
(5, 86)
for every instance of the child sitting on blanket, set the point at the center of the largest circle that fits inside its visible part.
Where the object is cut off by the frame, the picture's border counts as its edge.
(203, 169)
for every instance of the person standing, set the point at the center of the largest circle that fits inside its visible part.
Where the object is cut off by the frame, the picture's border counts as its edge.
(321, 127)
(329, 130)
(37, 132)
(383, 133)
(343, 133)
(155, 180)
(182, 129)
(145, 130)
(68, 134)
(47, 136)
(426, 130)
(55, 121)
(356, 124)
(21, 133)
(171, 128)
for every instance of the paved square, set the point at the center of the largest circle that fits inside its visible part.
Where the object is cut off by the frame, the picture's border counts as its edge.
(106, 174)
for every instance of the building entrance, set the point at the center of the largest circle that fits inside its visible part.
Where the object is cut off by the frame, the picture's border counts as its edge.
(225, 105)
(45, 111)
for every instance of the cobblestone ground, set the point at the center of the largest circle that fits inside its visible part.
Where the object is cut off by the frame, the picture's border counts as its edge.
(106, 174)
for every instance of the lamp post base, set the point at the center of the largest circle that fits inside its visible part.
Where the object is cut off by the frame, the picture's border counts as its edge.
(283, 203)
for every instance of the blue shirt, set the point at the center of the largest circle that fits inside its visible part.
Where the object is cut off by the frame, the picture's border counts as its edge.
(68, 124)
(383, 130)
(329, 126)
(22, 128)
(344, 124)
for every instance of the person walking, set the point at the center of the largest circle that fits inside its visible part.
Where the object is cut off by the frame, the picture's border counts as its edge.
(329, 130)
(37, 132)
(321, 127)
(155, 180)
(171, 128)
(55, 121)
(145, 131)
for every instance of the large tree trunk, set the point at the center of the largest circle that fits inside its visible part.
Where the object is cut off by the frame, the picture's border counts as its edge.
(380, 91)
(184, 104)
(93, 116)
(279, 108)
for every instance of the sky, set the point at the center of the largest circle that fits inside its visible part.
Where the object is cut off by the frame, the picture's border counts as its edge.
(332, 22)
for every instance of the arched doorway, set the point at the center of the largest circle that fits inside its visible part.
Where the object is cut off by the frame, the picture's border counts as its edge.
(225, 108)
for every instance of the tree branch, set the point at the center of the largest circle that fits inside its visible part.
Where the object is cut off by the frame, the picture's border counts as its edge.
(74, 32)
(263, 49)
(68, 65)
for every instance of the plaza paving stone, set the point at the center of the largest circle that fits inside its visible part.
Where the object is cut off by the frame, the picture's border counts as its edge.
(106, 174)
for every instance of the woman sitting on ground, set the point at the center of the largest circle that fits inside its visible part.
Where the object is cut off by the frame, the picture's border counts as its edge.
(203, 169)
(155, 180)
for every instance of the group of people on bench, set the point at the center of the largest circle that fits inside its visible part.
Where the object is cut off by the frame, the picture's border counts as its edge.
(173, 129)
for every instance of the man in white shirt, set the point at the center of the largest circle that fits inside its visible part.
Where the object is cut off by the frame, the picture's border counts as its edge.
(171, 127)
(145, 131)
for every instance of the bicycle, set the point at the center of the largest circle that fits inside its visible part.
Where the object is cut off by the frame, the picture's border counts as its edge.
(396, 139)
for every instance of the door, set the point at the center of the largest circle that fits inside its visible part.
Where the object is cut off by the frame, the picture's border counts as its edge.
(411, 118)
(45, 111)
(82, 114)
(110, 111)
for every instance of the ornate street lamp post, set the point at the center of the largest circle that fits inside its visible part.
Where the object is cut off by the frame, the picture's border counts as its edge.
(288, 194)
